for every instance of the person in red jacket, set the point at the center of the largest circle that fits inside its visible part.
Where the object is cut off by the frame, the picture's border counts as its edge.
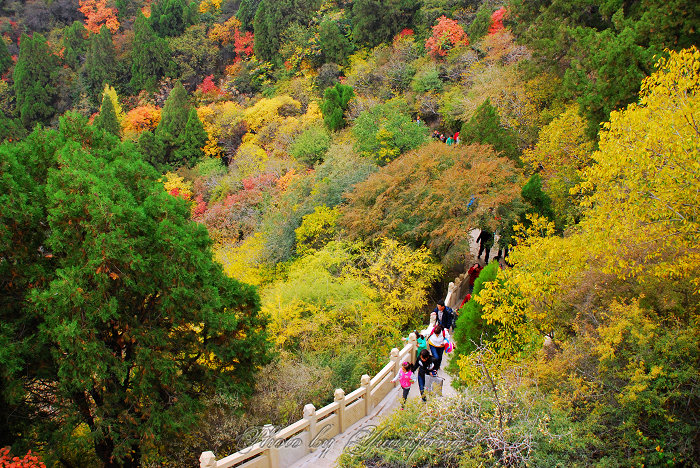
(473, 274)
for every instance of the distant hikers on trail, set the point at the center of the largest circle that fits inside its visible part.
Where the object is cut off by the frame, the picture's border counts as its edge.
(449, 140)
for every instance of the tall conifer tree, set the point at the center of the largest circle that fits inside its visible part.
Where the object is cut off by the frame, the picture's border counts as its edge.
(150, 58)
(107, 119)
(116, 308)
(193, 140)
(5, 58)
(36, 79)
(485, 127)
(100, 63)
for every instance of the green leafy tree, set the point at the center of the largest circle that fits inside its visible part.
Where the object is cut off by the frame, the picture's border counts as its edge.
(36, 81)
(150, 57)
(100, 64)
(335, 45)
(377, 21)
(272, 18)
(311, 145)
(116, 309)
(195, 54)
(171, 17)
(471, 329)
(107, 118)
(485, 127)
(385, 132)
(335, 103)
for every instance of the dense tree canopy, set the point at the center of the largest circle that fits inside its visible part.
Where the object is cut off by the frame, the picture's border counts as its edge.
(36, 81)
(379, 21)
(116, 312)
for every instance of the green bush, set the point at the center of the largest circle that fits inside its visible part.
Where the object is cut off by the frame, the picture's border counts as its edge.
(427, 79)
(386, 131)
(311, 145)
(471, 328)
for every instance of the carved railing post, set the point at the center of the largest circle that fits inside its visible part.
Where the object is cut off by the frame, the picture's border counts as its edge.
(310, 415)
(339, 397)
(394, 357)
(413, 340)
(273, 452)
(207, 460)
(366, 382)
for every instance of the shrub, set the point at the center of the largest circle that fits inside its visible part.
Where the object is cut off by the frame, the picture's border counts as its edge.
(311, 145)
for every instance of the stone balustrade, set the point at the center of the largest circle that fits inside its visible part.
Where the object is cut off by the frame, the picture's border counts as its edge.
(318, 427)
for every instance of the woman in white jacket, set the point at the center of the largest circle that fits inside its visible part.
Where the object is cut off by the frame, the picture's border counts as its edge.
(437, 340)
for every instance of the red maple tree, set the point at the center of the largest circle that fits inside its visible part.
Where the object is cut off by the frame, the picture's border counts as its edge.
(497, 20)
(447, 34)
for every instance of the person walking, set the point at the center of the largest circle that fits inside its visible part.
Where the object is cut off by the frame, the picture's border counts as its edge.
(485, 241)
(424, 364)
(405, 379)
(437, 340)
(444, 315)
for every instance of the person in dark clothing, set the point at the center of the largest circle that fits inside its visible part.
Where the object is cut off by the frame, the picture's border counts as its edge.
(485, 241)
(445, 315)
(423, 364)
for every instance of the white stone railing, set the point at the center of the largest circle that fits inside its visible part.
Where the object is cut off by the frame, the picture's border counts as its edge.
(318, 427)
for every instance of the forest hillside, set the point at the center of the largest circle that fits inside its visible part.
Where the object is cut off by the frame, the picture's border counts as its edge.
(217, 211)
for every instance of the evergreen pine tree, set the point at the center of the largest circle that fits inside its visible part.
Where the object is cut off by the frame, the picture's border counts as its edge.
(172, 131)
(334, 105)
(150, 57)
(100, 63)
(36, 78)
(5, 58)
(539, 201)
(193, 140)
(170, 18)
(120, 302)
(336, 47)
(74, 45)
(485, 127)
(377, 21)
(174, 115)
(107, 119)
(471, 329)
(272, 18)
(151, 147)
(246, 13)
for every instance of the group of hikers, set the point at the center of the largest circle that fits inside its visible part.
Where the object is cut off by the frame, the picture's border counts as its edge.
(449, 140)
(435, 340)
(433, 343)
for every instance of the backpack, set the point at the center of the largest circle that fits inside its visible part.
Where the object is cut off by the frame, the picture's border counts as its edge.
(405, 378)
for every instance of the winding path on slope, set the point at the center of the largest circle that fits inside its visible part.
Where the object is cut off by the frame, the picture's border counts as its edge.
(326, 458)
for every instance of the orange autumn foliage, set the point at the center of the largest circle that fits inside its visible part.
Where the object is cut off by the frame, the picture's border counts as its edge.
(98, 14)
(141, 118)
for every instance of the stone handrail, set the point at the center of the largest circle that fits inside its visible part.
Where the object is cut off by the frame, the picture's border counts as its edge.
(318, 427)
